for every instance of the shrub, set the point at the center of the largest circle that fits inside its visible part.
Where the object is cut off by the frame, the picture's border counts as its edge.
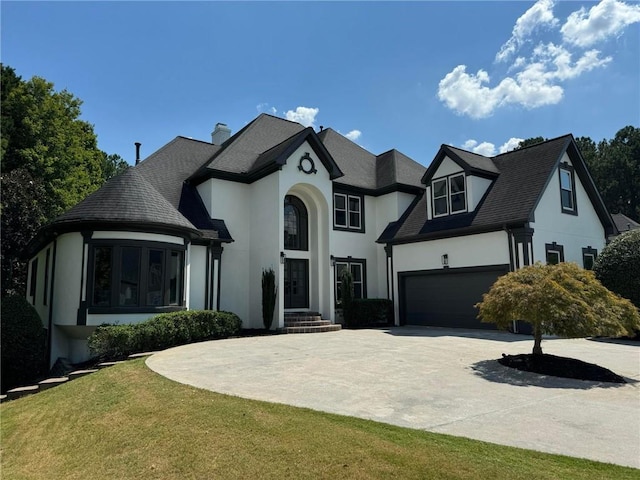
(162, 331)
(346, 294)
(561, 299)
(370, 312)
(618, 266)
(269, 296)
(24, 343)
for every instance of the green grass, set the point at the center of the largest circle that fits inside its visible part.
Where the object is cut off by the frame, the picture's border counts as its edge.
(128, 422)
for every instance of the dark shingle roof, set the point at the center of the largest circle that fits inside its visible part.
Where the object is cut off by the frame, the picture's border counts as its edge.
(242, 150)
(511, 199)
(474, 160)
(126, 199)
(624, 223)
(365, 170)
(395, 167)
(167, 168)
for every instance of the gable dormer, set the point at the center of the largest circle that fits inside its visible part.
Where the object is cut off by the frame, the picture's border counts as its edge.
(457, 181)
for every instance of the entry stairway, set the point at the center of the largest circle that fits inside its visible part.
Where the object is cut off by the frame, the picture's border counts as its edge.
(308, 322)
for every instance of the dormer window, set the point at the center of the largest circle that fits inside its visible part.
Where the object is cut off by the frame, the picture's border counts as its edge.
(567, 189)
(449, 195)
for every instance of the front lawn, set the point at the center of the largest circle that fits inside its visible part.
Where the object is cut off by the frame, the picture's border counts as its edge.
(128, 422)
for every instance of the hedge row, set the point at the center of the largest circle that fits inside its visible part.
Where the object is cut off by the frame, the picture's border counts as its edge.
(166, 330)
(369, 312)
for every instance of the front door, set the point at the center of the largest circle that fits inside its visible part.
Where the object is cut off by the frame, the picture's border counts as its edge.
(296, 283)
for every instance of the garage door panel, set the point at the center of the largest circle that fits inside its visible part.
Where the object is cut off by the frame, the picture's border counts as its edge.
(446, 299)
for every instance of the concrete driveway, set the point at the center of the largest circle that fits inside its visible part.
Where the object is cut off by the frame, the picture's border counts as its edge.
(434, 379)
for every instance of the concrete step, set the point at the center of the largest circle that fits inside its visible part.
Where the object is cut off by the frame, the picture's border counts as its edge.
(314, 329)
(81, 373)
(52, 382)
(109, 364)
(21, 392)
(3, 398)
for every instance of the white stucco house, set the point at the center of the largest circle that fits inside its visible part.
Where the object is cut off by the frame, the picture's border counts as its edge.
(193, 226)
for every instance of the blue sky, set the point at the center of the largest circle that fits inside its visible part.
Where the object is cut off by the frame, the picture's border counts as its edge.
(409, 75)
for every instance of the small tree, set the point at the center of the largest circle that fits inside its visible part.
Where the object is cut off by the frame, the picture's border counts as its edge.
(269, 294)
(346, 294)
(561, 299)
(618, 266)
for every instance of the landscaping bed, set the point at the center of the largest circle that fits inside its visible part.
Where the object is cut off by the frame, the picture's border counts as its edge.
(560, 367)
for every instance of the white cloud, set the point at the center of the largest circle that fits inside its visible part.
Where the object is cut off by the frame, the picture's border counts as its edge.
(353, 135)
(534, 85)
(262, 107)
(488, 149)
(540, 14)
(535, 76)
(304, 115)
(608, 18)
(510, 144)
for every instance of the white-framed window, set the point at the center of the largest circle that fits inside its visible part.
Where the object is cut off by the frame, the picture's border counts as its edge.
(440, 194)
(458, 194)
(449, 195)
(358, 273)
(567, 189)
(348, 212)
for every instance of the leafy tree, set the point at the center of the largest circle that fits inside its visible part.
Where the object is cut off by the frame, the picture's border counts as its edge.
(561, 299)
(618, 266)
(45, 150)
(23, 211)
(112, 165)
(23, 343)
(615, 167)
(530, 141)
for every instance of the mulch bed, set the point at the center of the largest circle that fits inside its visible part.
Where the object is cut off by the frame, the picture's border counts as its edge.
(560, 367)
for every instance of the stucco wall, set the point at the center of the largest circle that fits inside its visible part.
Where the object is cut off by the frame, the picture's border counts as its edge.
(468, 251)
(572, 231)
(197, 276)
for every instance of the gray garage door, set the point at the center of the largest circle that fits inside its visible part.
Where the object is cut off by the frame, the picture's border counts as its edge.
(445, 298)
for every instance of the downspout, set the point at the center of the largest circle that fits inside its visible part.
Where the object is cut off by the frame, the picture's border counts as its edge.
(51, 290)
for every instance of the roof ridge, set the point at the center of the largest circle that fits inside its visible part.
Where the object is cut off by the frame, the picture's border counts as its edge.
(349, 140)
(166, 145)
(265, 114)
(195, 140)
(534, 145)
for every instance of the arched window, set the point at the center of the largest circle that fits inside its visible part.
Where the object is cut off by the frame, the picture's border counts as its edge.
(295, 224)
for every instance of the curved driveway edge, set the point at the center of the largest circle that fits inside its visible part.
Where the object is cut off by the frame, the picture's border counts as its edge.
(434, 379)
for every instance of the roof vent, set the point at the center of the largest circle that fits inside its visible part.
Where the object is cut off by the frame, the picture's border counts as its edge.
(137, 144)
(220, 134)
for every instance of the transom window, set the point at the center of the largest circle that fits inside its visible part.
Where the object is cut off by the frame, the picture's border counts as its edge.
(567, 189)
(295, 224)
(449, 195)
(347, 212)
(358, 273)
(137, 275)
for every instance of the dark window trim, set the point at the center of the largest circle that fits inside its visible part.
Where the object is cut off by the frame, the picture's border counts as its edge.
(302, 222)
(589, 251)
(447, 179)
(145, 246)
(46, 276)
(34, 280)
(349, 261)
(554, 247)
(348, 228)
(568, 168)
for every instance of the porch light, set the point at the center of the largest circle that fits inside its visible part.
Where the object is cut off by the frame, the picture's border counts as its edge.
(283, 257)
(445, 260)
(333, 260)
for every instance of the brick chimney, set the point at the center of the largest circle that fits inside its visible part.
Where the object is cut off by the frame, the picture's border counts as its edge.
(220, 134)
